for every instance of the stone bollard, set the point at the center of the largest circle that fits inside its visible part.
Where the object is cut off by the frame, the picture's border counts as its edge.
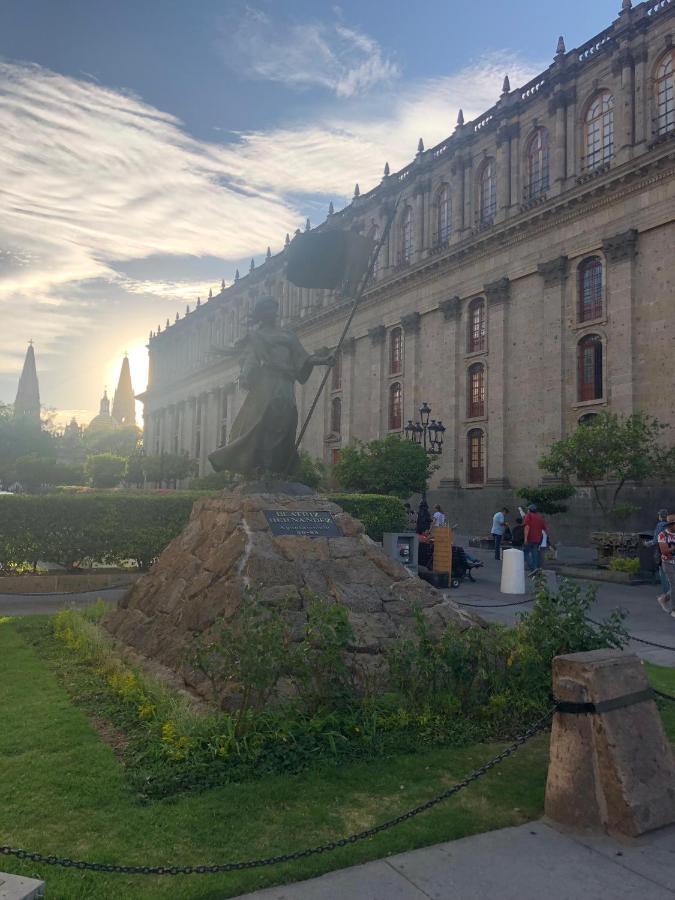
(611, 767)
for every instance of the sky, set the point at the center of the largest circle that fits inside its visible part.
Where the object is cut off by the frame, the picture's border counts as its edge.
(150, 148)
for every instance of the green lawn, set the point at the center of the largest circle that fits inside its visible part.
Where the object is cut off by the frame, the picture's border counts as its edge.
(62, 791)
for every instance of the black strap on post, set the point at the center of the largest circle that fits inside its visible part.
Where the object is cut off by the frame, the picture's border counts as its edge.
(576, 709)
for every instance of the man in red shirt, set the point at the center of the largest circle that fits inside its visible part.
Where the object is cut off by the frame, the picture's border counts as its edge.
(534, 525)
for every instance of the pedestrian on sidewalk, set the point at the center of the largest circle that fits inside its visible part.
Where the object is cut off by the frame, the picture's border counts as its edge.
(667, 548)
(535, 526)
(518, 534)
(439, 517)
(663, 598)
(498, 529)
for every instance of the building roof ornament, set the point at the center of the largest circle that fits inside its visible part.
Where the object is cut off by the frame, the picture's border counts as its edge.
(167, 322)
(420, 146)
(287, 240)
(177, 317)
(268, 254)
(237, 276)
(252, 266)
(460, 117)
(560, 50)
(331, 208)
(506, 86)
(386, 170)
(222, 284)
(626, 5)
(357, 190)
(308, 224)
(199, 302)
(210, 294)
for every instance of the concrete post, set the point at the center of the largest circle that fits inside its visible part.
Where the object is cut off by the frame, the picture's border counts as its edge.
(611, 769)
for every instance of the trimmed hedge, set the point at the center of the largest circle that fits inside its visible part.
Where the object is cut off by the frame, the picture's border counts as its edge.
(109, 527)
(379, 513)
(104, 527)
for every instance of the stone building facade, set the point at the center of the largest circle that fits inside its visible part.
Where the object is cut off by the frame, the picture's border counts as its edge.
(527, 281)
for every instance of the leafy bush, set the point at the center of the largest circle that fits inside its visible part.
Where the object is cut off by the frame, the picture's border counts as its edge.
(378, 513)
(35, 471)
(215, 481)
(624, 564)
(168, 468)
(311, 472)
(480, 684)
(389, 466)
(106, 527)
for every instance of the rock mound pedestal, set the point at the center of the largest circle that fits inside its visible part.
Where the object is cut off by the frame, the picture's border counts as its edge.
(229, 548)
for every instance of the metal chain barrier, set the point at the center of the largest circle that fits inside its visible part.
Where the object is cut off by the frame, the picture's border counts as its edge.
(68, 863)
(663, 695)
(495, 605)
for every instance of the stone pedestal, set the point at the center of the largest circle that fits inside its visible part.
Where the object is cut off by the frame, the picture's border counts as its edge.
(230, 548)
(612, 769)
(16, 887)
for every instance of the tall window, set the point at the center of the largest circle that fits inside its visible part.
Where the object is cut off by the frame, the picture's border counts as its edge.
(599, 131)
(487, 193)
(377, 265)
(664, 85)
(335, 455)
(476, 391)
(589, 361)
(443, 215)
(336, 415)
(537, 164)
(590, 289)
(406, 236)
(396, 351)
(477, 326)
(475, 440)
(395, 407)
(336, 375)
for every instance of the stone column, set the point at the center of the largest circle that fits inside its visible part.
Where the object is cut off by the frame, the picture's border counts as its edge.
(418, 222)
(451, 311)
(620, 251)
(379, 395)
(467, 178)
(611, 766)
(624, 106)
(411, 361)
(497, 296)
(503, 172)
(349, 385)
(188, 426)
(516, 169)
(642, 101)
(457, 195)
(552, 386)
(558, 143)
(573, 168)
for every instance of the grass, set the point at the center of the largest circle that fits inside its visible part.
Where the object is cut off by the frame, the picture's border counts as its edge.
(63, 791)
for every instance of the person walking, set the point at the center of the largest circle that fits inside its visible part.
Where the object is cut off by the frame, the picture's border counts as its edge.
(498, 529)
(534, 526)
(518, 534)
(663, 598)
(667, 548)
(438, 517)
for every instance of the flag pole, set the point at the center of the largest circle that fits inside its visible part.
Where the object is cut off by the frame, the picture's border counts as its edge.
(355, 304)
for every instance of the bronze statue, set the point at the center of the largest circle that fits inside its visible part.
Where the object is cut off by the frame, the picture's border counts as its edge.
(262, 439)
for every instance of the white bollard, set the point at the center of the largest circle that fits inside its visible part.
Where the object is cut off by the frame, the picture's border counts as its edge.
(513, 572)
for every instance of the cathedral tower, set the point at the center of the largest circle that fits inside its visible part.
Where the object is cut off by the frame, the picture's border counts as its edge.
(27, 403)
(124, 404)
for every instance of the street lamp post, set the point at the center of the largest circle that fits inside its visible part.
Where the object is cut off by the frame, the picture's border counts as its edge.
(427, 433)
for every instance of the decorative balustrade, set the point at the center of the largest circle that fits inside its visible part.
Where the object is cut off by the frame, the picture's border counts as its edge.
(600, 42)
(655, 8)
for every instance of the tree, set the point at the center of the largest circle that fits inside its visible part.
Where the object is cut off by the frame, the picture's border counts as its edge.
(34, 471)
(123, 441)
(389, 466)
(21, 437)
(168, 468)
(613, 449)
(548, 497)
(105, 470)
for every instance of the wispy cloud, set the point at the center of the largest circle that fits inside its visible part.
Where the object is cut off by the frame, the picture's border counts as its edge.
(94, 177)
(322, 54)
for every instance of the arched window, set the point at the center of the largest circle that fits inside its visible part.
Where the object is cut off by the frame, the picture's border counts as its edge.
(336, 375)
(443, 215)
(395, 407)
(590, 289)
(336, 415)
(537, 164)
(406, 249)
(475, 441)
(477, 326)
(396, 351)
(599, 131)
(476, 391)
(664, 86)
(487, 193)
(589, 363)
(588, 418)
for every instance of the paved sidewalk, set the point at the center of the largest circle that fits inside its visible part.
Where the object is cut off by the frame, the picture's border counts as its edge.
(531, 862)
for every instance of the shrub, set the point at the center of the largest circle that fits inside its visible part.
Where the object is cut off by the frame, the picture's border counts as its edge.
(624, 564)
(311, 472)
(106, 527)
(378, 513)
(548, 497)
(215, 481)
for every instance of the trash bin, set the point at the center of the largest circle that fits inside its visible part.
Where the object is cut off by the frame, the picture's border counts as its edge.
(513, 572)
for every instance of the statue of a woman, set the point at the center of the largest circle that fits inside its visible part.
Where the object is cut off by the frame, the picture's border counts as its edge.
(272, 359)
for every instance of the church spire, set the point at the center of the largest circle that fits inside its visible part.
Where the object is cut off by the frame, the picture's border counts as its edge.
(124, 405)
(27, 403)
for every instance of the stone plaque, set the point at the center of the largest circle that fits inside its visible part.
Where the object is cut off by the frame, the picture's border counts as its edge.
(302, 522)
